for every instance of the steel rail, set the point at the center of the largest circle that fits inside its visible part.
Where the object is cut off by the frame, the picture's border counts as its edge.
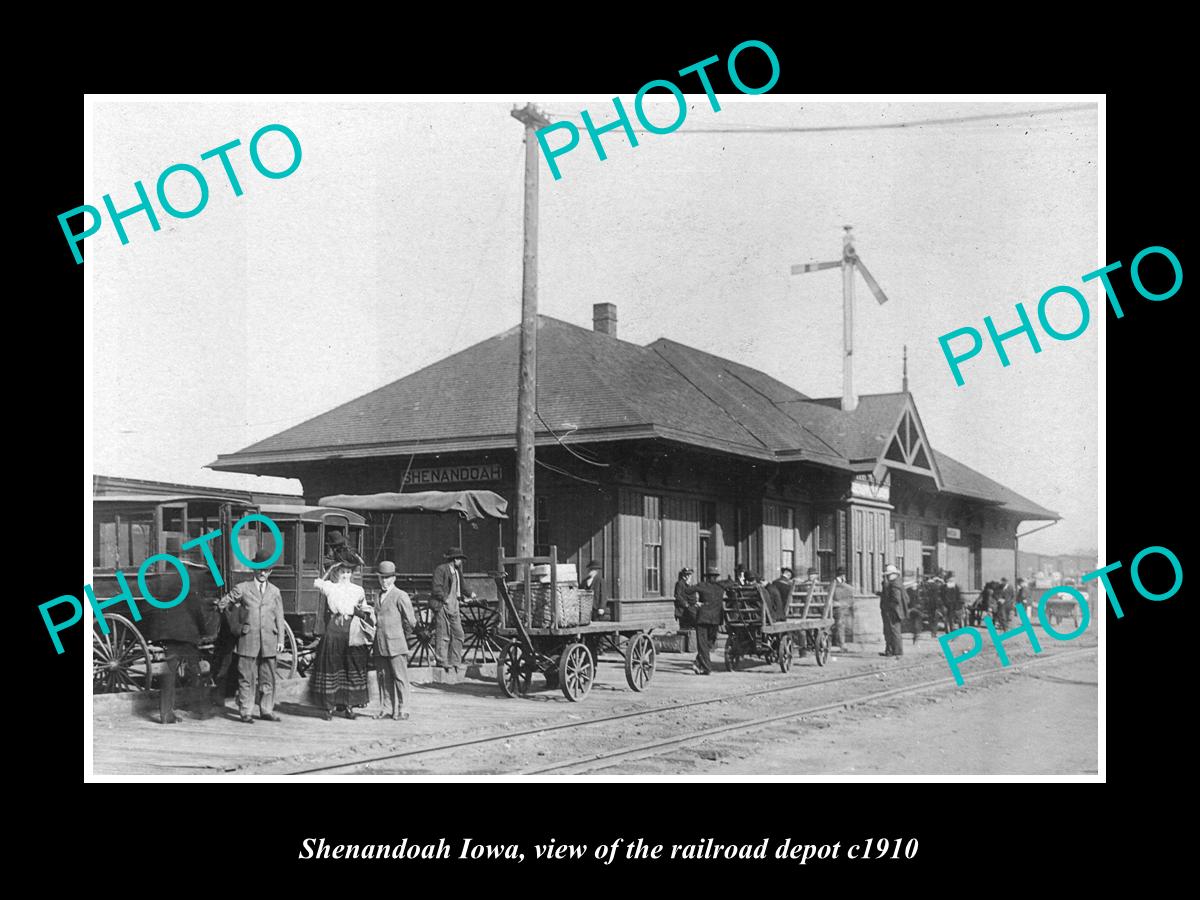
(632, 714)
(648, 749)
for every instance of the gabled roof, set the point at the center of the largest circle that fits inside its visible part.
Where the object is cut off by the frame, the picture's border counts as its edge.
(594, 387)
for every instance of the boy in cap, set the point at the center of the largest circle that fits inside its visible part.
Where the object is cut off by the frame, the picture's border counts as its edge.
(393, 616)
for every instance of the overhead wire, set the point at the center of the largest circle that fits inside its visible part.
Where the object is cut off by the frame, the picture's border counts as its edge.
(590, 462)
(879, 126)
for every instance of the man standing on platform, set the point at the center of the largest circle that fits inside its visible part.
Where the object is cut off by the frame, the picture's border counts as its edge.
(893, 605)
(843, 596)
(447, 596)
(393, 616)
(708, 617)
(260, 631)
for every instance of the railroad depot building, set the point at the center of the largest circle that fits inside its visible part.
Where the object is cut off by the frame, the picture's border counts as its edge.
(652, 458)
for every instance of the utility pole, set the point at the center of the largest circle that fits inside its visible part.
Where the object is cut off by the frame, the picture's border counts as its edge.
(532, 119)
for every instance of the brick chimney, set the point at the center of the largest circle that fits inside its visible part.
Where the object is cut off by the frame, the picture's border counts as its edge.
(604, 318)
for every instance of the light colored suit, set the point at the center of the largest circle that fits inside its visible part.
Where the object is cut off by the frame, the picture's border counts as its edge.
(258, 623)
(392, 611)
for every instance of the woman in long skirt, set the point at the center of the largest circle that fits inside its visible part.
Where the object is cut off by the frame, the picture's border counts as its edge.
(339, 676)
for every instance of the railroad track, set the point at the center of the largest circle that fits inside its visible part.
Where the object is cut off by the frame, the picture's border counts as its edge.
(647, 749)
(583, 764)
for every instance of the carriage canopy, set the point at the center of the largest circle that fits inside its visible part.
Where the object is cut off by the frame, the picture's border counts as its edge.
(471, 505)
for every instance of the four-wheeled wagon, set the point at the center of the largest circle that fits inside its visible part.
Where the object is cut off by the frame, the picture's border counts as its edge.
(753, 628)
(129, 529)
(548, 629)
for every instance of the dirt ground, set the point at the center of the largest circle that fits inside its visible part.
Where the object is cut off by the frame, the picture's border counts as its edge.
(1039, 719)
(1042, 721)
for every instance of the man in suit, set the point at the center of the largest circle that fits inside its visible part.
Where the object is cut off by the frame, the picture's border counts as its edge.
(393, 616)
(707, 610)
(1025, 596)
(893, 605)
(447, 597)
(1005, 604)
(780, 593)
(258, 610)
(953, 602)
(843, 596)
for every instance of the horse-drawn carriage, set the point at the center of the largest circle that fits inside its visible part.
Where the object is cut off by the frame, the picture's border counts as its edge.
(128, 530)
(548, 629)
(753, 628)
(480, 616)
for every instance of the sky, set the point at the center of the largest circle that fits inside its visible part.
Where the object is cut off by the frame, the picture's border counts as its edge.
(397, 241)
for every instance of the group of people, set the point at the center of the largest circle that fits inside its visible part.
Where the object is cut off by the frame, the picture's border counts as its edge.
(355, 634)
(998, 600)
(698, 606)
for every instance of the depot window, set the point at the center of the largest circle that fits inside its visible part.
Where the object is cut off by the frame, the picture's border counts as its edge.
(652, 543)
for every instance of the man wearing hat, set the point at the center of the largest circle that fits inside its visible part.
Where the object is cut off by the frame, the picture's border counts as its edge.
(447, 621)
(258, 612)
(843, 598)
(780, 594)
(708, 616)
(393, 615)
(893, 606)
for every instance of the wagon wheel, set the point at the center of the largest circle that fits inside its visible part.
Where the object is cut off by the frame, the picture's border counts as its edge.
(480, 621)
(576, 671)
(121, 659)
(421, 646)
(514, 670)
(639, 661)
(784, 651)
(287, 663)
(822, 653)
(732, 654)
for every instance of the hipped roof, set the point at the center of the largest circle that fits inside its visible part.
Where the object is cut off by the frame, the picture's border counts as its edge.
(594, 387)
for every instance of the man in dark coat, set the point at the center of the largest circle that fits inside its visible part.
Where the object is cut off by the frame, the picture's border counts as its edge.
(893, 605)
(953, 602)
(447, 596)
(685, 597)
(780, 593)
(1005, 604)
(180, 630)
(711, 598)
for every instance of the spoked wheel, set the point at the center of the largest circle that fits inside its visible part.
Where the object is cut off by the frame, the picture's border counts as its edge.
(784, 652)
(121, 659)
(639, 661)
(822, 653)
(576, 671)
(514, 670)
(287, 663)
(480, 621)
(422, 650)
(733, 654)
